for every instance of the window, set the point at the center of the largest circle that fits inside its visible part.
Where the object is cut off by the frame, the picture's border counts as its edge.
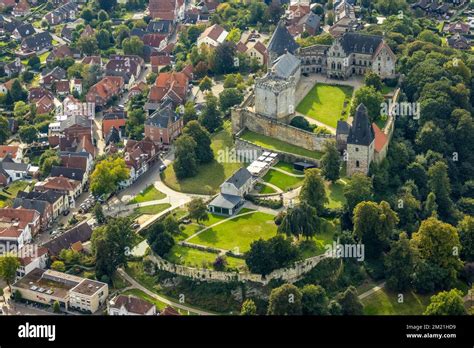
(357, 164)
(357, 149)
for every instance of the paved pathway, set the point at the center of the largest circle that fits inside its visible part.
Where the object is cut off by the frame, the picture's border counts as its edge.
(287, 173)
(160, 298)
(371, 291)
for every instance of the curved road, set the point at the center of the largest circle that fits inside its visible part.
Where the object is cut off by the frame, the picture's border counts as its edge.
(160, 298)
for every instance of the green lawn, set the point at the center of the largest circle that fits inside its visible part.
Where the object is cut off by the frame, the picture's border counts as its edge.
(282, 181)
(335, 194)
(149, 210)
(316, 246)
(10, 192)
(278, 145)
(149, 194)
(265, 189)
(210, 176)
(239, 232)
(325, 103)
(200, 259)
(384, 302)
(288, 167)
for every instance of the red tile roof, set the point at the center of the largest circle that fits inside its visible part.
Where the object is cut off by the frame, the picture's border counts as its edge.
(176, 82)
(381, 138)
(12, 151)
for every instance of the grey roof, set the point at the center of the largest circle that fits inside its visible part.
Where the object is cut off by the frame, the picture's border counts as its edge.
(76, 120)
(113, 136)
(26, 30)
(8, 164)
(80, 233)
(162, 118)
(342, 127)
(286, 65)
(282, 41)
(70, 173)
(312, 20)
(226, 201)
(159, 26)
(361, 132)
(48, 195)
(39, 206)
(240, 177)
(57, 72)
(38, 41)
(360, 43)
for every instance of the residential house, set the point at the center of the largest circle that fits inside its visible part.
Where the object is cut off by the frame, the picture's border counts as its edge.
(39, 42)
(21, 9)
(459, 42)
(59, 52)
(81, 160)
(310, 23)
(104, 90)
(13, 68)
(255, 50)
(130, 305)
(36, 93)
(128, 67)
(62, 87)
(67, 33)
(166, 9)
(137, 89)
(17, 227)
(23, 31)
(71, 188)
(159, 61)
(12, 171)
(114, 118)
(92, 60)
(63, 13)
(457, 27)
(70, 173)
(14, 152)
(76, 86)
(44, 208)
(74, 107)
(139, 156)
(80, 233)
(58, 201)
(88, 31)
(77, 135)
(163, 126)
(213, 36)
(50, 77)
(5, 4)
(44, 105)
(70, 291)
(233, 190)
(169, 85)
(31, 256)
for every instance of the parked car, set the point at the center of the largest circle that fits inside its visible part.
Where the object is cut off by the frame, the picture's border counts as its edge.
(66, 212)
(135, 226)
(162, 168)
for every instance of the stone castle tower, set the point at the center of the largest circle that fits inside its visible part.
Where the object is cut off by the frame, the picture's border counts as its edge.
(360, 143)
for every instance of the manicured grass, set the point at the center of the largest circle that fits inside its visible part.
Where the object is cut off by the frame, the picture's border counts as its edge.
(288, 167)
(150, 210)
(149, 194)
(387, 89)
(43, 57)
(384, 302)
(199, 259)
(278, 145)
(282, 181)
(316, 246)
(325, 103)
(335, 194)
(265, 189)
(210, 176)
(239, 232)
(7, 194)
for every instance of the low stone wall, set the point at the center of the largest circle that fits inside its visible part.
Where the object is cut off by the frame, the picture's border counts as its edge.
(290, 275)
(244, 145)
(243, 118)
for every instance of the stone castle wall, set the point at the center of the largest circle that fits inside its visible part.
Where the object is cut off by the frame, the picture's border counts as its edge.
(242, 118)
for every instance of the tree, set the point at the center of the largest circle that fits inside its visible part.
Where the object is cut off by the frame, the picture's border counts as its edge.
(99, 213)
(102, 16)
(58, 266)
(446, 303)
(440, 185)
(429, 36)
(466, 237)
(373, 80)
(87, 15)
(202, 138)
(371, 98)
(87, 45)
(302, 220)
(171, 225)
(190, 113)
(103, 39)
(400, 264)
(21, 109)
(17, 92)
(331, 161)
(223, 58)
(56, 307)
(438, 244)
(28, 134)
(374, 225)
(186, 163)
(47, 160)
(430, 208)
(112, 244)
(314, 300)
(248, 308)
(357, 190)
(163, 244)
(220, 263)
(349, 301)
(210, 116)
(285, 300)
(230, 97)
(4, 130)
(8, 266)
(313, 191)
(34, 62)
(135, 123)
(107, 5)
(133, 45)
(107, 175)
(197, 210)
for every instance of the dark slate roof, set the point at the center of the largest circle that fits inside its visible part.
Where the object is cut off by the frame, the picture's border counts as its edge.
(9, 164)
(162, 118)
(41, 40)
(361, 132)
(80, 233)
(70, 173)
(282, 41)
(74, 154)
(76, 120)
(26, 30)
(57, 72)
(342, 127)
(225, 201)
(360, 43)
(239, 178)
(48, 195)
(114, 115)
(159, 26)
(113, 136)
(39, 206)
